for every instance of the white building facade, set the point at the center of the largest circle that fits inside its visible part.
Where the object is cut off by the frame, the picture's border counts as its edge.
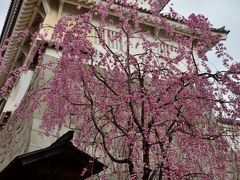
(25, 136)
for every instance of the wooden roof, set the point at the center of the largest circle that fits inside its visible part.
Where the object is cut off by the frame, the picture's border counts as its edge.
(60, 161)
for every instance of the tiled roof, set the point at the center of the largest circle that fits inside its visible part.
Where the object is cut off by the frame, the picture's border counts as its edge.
(61, 157)
(217, 30)
(221, 30)
(11, 18)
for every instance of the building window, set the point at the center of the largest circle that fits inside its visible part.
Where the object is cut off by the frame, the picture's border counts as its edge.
(109, 37)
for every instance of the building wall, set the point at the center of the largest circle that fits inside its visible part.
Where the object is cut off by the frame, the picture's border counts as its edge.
(39, 139)
(15, 139)
(19, 137)
(15, 135)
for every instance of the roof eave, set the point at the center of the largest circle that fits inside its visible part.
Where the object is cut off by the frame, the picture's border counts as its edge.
(10, 20)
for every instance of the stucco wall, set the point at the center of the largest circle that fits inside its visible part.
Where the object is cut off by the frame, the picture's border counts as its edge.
(15, 139)
(15, 135)
(39, 139)
(21, 136)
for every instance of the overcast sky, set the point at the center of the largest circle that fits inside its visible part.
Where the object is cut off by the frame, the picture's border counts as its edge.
(220, 13)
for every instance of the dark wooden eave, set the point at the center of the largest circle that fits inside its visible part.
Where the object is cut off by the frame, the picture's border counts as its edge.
(60, 161)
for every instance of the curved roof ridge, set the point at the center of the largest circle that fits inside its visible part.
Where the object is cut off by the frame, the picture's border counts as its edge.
(10, 20)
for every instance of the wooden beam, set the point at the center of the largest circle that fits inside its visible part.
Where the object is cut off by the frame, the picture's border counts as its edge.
(19, 50)
(60, 9)
(42, 14)
(46, 6)
(33, 17)
(25, 50)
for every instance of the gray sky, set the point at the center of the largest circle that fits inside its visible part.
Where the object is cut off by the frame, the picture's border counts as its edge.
(220, 13)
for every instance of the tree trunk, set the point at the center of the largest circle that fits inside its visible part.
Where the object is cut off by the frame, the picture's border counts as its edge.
(131, 170)
(146, 169)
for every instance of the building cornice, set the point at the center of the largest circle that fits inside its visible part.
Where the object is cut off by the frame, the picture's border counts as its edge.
(11, 18)
(19, 18)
